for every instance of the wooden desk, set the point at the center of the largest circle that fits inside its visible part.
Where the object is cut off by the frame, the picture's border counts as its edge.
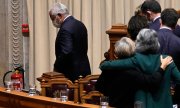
(15, 99)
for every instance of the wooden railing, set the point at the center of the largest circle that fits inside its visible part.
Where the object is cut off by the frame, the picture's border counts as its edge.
(15, 99)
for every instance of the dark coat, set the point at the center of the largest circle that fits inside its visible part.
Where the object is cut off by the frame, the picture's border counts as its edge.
(177, 30)
(170, 43)
(155, 25)
(149, 64)
(121, 85)
(71, 48)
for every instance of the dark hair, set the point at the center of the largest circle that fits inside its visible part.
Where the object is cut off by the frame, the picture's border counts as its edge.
(151, 5)
(169, 17)
(136, 23)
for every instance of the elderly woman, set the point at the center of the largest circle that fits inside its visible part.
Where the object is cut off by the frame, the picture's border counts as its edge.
(148, 60)
(121, 85)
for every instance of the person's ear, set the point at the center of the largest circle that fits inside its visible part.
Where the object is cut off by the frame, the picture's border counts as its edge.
(59, 15)
(148, 12)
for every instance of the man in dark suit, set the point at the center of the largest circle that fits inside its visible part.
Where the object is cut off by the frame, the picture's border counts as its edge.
(152, 10)
(71, 44)
(169, 42)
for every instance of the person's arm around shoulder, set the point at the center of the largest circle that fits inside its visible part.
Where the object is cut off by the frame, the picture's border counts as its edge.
(154, 79)
(117, 64)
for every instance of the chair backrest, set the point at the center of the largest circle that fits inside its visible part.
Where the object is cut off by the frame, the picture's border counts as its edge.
(93, 97)
(87, 92)
(53, 87)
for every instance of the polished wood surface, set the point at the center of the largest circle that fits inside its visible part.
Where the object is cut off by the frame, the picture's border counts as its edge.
(87, 90)
(48, 76)
(116, 32)
(15, 99)
(55, 78)
(61, 81)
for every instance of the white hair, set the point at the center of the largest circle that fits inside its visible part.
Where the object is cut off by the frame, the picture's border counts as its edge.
(124, 47)
(147, 41)
(59, 8)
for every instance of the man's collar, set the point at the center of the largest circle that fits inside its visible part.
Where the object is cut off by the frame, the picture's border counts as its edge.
(66, 17)
(165, 27)
(156, 17)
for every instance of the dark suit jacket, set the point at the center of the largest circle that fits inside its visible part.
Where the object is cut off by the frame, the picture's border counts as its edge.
(121, 85)
(170, 43)
(155, 25)
(71, 49)
(177, 30)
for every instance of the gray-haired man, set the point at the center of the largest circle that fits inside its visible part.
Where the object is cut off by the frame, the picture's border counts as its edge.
(71, 44)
